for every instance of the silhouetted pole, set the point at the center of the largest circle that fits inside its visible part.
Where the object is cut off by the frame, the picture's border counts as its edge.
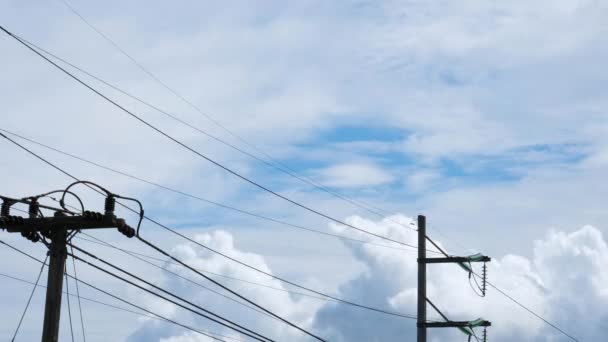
(57, 229)
(421, 321)
(52, 310)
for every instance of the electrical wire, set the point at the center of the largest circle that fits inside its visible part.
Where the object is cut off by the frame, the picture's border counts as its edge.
(29, 300)
(134, 255)
(107, 305)
(160, 250)
(249, 266)
(67, 290)
(324, 298)
(274, 163)
(502, 292)
(492, 285)
(218, 319)
(196, 152)
(84, 337)
(207, 201)
(117, 297)
(222, 254)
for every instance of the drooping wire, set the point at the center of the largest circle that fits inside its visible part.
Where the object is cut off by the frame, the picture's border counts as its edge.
(118, 298)
(67, 290)
(218, 319)
(207, 201)
(165, 269)
(206, 247)
(109, 305)
(529, 310)
(47, 194)
(324, 298)
(273, 162)
(29, 300)
(84, 335)
(217, 283)
(196, 152)
(244, 264)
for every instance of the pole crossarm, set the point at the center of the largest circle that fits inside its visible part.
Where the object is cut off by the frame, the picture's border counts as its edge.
(89, 220)
(458, 259)
(458, 324)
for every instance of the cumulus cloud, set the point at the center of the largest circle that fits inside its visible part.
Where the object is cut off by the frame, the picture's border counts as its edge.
(562, 281)
(294, 308)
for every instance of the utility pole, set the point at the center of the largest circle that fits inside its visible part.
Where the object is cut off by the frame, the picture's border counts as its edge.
(421, 321)
(56, 232)
(52, 309)
(422, 324)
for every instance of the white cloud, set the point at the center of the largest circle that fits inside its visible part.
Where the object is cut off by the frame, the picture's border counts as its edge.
(563, 282)
(563, 264)
(353, 175)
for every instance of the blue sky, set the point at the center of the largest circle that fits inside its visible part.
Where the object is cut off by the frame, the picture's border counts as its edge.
(490, 118)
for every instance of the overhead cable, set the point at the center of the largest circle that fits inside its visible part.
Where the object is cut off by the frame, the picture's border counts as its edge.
(196, 152)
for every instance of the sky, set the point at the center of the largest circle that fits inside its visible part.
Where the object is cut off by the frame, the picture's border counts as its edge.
(489, 118)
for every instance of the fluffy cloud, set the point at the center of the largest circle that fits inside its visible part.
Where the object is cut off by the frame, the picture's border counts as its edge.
(562, 282)
(294, 308)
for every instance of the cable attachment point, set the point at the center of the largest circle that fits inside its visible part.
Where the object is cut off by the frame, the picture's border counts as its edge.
(124, 228)
(110, 205)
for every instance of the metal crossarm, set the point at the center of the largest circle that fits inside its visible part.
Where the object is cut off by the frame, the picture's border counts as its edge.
(89, 220)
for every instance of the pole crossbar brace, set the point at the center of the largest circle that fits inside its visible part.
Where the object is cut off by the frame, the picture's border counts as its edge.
(456, 259)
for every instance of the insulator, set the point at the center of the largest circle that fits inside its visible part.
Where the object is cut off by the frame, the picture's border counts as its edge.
(484, 279)
(485, 334)
(5, 208)
(33, 208)
(110, 205)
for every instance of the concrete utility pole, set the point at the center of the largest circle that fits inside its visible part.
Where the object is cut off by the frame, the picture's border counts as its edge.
(59, 229)
(422, 324)
(421, 319)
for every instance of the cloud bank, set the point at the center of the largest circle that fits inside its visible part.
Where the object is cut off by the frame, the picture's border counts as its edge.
(563, 282)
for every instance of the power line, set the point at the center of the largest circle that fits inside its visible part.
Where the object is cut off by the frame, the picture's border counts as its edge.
(67, 290)
(218, 319)
(325, 297)
(134, 255)
(84, 337)
(502, 292)
(108, 305)
(196, 152)
(158, 249)
(275, 164)
(29, 300)
(117, 297)
(204, 200)
(235, 327)
(211, 249)
(222, 254)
